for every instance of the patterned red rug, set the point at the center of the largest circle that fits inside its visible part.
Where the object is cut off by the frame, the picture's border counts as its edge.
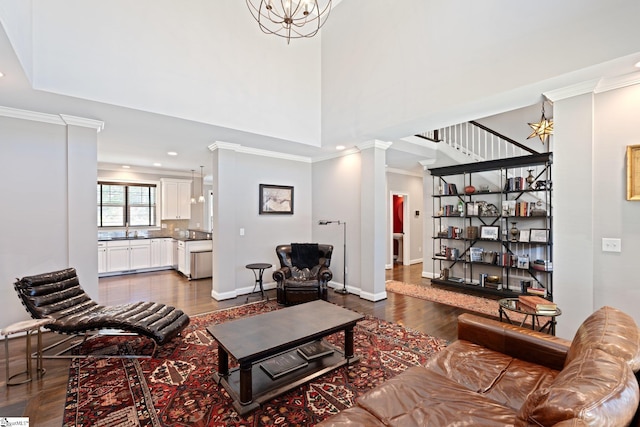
(176, 387)
(456, 299)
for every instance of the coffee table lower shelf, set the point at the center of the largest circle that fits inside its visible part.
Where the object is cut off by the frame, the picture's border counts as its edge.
(265, 388)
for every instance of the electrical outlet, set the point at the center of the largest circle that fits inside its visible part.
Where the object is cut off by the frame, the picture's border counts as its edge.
(611, 245)
(242, 231)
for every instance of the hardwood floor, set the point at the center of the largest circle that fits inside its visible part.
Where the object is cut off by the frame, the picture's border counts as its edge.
(43, 399)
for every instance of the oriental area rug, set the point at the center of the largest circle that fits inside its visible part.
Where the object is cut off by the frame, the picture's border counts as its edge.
(176, 386)
(456, 299)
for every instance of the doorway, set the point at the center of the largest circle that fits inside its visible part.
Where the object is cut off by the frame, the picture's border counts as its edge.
(399, 240)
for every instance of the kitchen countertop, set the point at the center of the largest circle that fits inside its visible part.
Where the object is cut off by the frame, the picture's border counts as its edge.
(183, 239)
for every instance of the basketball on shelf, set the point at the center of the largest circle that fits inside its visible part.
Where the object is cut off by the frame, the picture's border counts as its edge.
(469, 189)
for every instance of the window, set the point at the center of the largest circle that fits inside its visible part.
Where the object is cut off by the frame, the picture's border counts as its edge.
(120, 204)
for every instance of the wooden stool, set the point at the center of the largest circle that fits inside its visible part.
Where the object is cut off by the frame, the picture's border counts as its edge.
(29, 327)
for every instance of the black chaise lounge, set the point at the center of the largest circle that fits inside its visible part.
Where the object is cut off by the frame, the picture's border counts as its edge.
(59, 295)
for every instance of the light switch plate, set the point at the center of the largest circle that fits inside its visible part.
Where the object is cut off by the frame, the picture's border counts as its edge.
(611, 245)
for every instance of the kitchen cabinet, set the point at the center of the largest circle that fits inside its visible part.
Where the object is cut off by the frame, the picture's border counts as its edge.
(102, 257)
(184, 253)
(176, 198)
(126, 255)
(161, 252)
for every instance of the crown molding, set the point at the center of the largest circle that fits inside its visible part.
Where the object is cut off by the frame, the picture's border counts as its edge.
(258, 152)
(426, 163)
(82, 122)
(31, 115)
(335, 155)
(374, 144)
(571, 91)
(55, 119)
(618, 82)
(403, 172)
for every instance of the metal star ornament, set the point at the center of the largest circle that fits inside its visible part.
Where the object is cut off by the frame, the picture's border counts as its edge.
(542, 129)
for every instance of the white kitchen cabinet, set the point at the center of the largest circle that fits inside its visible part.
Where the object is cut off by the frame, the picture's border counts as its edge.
(184, 253)
(176, 198)
(102, 257)
(125, 255)
(140, 254)
(162, 252)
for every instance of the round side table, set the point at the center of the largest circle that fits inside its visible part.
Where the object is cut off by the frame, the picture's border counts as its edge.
(258, 270)
(514, 305)
(29, 327)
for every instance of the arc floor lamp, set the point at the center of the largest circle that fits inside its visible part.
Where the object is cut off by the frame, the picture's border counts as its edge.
(344, 290)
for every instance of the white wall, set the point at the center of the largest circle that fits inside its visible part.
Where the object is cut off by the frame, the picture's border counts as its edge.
(412, 186)
(237, 177)
(44, 171)
(615, 274)
(336, 196)
(389, 71)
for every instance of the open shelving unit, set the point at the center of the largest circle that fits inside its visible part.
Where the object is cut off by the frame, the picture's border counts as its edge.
(492, 226)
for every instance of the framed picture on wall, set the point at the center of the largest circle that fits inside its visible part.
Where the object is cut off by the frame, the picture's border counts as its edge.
(633, 172)
(276, 199)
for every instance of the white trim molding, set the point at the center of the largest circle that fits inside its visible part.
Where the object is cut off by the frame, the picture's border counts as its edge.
(219, 145)
(55, 119)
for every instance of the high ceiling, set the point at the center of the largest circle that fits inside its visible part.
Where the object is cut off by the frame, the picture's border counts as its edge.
(166, 77)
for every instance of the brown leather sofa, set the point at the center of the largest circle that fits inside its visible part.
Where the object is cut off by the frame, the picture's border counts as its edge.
(498, 374)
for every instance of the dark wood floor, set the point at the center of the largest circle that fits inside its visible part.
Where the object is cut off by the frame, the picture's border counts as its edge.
(43, 400)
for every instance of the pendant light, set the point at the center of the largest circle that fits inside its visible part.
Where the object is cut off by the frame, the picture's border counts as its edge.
(193, 196)
(201, 198)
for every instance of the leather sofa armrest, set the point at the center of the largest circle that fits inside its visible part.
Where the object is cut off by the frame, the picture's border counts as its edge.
(324, 274)
(513, 340)
(281, 274)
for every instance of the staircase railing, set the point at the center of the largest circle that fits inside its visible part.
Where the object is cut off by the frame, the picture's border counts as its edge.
(478, 142)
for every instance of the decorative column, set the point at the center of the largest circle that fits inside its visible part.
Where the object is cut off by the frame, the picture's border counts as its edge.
(224, 227)
(373, 220)
(427, 221)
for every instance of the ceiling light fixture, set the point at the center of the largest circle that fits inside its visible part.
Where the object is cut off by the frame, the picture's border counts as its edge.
(201, 198)
(291, 19)
(542, 129)
(126, 167)
(193, 196)
(340, 147)
(157, 164)
(637, 64)
(172, 153)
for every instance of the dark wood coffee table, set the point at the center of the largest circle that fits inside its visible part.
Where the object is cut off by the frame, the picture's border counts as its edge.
(252, 341)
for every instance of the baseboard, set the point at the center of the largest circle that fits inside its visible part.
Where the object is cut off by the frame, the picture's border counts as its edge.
(430, 275)
(373, 297)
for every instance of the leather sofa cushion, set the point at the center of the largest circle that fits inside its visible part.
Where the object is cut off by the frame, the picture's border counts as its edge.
(595, 389)
(421, 397)
(611, 330)
(498, 376)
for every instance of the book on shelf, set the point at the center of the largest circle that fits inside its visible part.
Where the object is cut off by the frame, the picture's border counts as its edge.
(537, 303)
(315, 350)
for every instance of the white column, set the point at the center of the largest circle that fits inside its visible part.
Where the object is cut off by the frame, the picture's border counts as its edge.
(224, 220)
(573, 218)
(82, 177)
(373, 220)
(427, 220)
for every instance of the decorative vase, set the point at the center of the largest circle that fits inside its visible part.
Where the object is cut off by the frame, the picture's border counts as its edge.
(514, 232)
(530, 179)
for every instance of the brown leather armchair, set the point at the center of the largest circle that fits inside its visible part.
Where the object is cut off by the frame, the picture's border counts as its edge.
(304, 272)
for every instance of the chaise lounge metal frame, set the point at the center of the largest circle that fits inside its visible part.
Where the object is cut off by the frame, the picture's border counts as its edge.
(58, 295)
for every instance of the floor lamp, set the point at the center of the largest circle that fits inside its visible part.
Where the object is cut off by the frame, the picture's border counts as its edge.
(344, 290)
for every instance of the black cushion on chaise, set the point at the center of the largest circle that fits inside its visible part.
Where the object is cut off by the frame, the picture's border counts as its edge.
(59, 295)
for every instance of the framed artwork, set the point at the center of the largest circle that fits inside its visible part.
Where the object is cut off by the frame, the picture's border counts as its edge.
(633, 172)
(276, 199)
(524, 236)
(539, 235)
(489, 232)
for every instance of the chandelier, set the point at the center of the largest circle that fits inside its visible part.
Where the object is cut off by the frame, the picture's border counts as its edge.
(542, 129)
(291, 19)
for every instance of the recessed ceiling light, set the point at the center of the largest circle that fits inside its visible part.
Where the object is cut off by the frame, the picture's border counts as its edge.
(172, 153)
(638, 64)
(126, 167)
(340, 147)
(157, 164)
(1, 74)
